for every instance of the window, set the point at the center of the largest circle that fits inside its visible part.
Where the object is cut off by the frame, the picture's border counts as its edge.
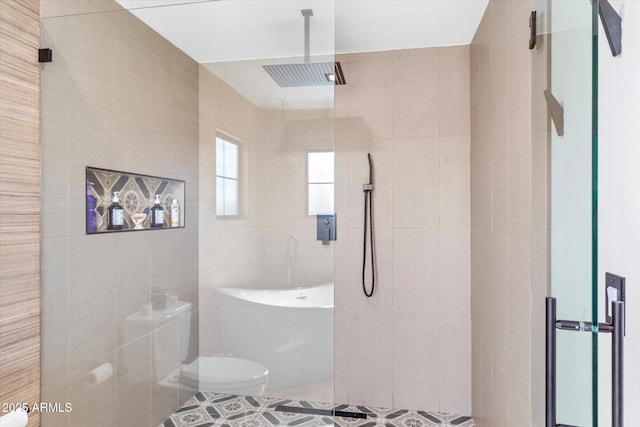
(320, 182)
(227, 178)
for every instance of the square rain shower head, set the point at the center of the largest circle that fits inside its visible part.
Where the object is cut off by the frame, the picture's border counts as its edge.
(307, 74)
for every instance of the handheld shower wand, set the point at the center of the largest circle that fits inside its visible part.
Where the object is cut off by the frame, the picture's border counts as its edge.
(368, 229)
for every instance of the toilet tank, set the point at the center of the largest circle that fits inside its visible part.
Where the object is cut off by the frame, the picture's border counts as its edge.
(170, 329)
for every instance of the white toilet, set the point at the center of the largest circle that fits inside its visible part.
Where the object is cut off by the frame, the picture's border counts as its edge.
(219, 374)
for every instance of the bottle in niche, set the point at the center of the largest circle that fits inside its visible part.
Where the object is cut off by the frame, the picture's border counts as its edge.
(157, 214)
(115, 214)
(175, 213)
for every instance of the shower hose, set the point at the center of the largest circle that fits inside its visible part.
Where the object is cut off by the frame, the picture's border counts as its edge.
(368, 229)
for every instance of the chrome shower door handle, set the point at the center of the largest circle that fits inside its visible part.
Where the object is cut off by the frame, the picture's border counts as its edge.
(616, 328)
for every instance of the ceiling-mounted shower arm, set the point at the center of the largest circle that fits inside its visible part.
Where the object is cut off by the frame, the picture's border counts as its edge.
(307, 13)
(308, 73)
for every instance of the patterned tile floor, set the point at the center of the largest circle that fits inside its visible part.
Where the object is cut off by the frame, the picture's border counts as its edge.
(223, 410)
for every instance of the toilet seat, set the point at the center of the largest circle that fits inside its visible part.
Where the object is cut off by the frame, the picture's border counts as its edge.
(224, 374)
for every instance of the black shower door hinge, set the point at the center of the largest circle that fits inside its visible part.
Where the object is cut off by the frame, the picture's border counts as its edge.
(45, 55)
(532, 29)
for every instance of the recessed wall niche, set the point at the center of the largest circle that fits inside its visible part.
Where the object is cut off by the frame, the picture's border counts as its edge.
(136, 194)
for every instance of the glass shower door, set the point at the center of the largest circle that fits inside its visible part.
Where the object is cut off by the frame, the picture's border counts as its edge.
(571, 97)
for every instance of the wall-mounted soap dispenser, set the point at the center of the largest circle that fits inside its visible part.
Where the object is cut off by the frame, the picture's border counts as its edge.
(326, 228)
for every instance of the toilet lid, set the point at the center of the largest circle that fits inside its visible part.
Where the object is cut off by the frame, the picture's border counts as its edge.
(224, 370)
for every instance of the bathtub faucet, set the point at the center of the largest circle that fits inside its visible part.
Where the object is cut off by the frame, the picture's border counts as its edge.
(292, 256)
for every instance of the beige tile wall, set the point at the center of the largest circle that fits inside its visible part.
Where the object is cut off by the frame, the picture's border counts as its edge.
(409, 345)
(502, 241)
(116, 96)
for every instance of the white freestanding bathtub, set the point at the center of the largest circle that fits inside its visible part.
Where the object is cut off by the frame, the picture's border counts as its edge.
(290, 331)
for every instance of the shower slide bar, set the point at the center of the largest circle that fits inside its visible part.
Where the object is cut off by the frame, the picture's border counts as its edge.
(616, 328)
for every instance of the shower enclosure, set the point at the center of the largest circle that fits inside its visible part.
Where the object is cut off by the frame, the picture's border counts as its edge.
(269, 182)
(267, 164)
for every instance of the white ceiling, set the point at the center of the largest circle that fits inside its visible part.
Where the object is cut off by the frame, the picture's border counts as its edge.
(234, 38)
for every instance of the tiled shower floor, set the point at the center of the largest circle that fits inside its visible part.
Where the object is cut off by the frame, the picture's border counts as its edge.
(223, 410)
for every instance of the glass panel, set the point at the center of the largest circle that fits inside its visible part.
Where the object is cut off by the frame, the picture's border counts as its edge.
(220, 196)
(227, 159)
(269, 247)
(231, 197)
(564, 60)
(136, 102)
(321, 199)
(262, 249)
(220, 157)
(231, 160)
(227, 171)
(320, 166)
(119, 310)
